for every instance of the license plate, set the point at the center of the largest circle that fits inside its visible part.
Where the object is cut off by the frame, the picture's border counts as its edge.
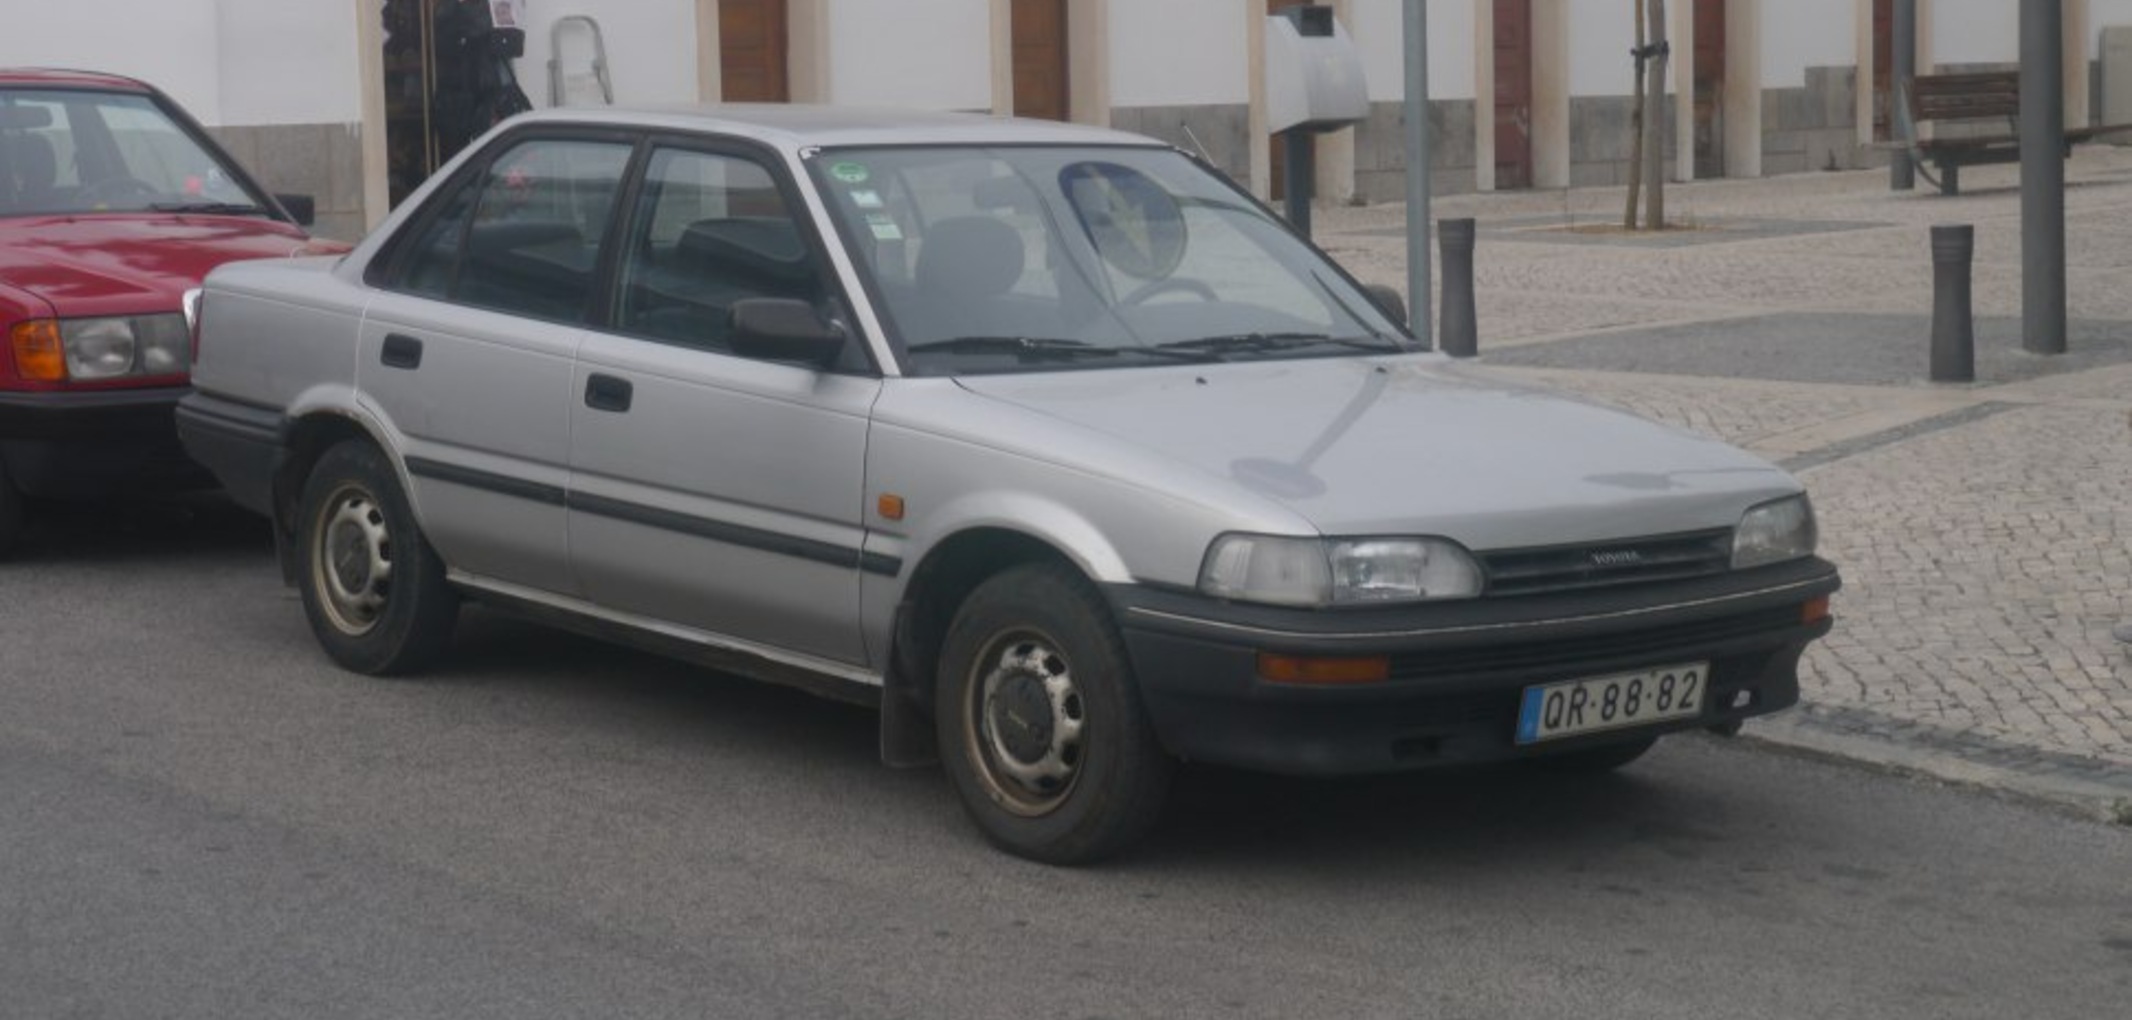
(1574, 707)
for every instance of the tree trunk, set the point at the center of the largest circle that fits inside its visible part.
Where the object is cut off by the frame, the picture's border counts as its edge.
(1654, 149)
(1628, 215)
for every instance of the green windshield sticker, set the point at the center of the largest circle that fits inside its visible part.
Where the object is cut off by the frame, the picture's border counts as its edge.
(850, 173)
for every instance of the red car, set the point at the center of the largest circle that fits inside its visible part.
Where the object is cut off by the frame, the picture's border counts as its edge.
(113, 204)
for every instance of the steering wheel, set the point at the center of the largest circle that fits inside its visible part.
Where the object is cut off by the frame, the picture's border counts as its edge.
(1190, 286)
(112, 189)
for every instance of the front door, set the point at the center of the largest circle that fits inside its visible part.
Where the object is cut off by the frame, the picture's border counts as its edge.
(708, 489)
(1709, 88)
(1513, 94)
(1040, 83)
(752, 51)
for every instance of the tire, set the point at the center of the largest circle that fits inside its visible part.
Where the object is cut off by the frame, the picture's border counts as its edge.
(373, 589)
(10, 514)
(1040, 723)
(1595, 760)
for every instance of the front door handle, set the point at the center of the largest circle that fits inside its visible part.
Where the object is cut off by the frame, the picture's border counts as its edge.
(607, 393)
(401, 351)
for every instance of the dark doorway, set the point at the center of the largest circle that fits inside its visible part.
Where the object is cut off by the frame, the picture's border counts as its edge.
(1040, 82)
(1709, 88)
(752, 51)
(1883, 67)
(1277, 153)
(1513, 94)
(448, 77)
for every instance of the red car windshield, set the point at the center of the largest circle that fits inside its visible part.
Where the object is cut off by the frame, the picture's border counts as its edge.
(81, 151)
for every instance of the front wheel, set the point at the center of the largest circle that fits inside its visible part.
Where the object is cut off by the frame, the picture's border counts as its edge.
(1040, 722)
(373, 589)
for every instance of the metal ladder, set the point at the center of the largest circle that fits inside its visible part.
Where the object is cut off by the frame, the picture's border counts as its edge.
(559, 91)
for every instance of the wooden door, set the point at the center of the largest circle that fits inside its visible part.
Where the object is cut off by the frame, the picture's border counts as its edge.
(1709, 88)
(752, 51)
(1513, 94)
(1040, 82)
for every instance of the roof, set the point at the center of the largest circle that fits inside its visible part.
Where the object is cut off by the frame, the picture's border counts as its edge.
(53, 76)
(796, 126)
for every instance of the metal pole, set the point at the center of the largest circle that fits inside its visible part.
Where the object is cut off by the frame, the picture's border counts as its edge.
(1902, 66)
(1954, 351)
(2042, 177)
(1461, 335)
(1417, 132)
(1302, 176)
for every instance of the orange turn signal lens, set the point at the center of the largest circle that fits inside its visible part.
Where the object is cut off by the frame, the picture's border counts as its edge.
(889, 506)
(1814, 611)
(1300, 669)
(40, 355)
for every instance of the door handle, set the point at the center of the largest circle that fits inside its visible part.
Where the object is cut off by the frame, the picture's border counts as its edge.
(401, 351)
(607, 393)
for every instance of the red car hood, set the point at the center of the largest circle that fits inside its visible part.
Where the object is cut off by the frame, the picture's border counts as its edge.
(134, 265)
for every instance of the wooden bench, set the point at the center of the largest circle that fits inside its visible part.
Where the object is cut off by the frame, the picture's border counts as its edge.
(1982, 96)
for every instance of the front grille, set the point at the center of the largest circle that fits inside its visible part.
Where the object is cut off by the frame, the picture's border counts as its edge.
(1631, 561)
(1582, 653)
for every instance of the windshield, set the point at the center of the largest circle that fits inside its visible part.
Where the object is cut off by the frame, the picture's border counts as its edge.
(65, 151)
(1027, 259)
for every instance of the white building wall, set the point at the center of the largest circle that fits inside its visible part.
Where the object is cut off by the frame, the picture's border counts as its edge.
(1975, 31)
(1798, 34)
(651, 48)
(1601, 34)
(1179, 52)
(285, 63)
(174, 45)
(926, 53)
(1378, 28)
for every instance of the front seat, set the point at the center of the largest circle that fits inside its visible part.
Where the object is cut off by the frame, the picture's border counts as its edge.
(965, 266)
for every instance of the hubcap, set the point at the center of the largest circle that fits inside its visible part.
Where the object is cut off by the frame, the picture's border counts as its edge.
(353, 567)
(1029, 723)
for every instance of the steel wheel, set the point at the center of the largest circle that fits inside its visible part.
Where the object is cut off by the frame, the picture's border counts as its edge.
(353, 565)
(1028, 723)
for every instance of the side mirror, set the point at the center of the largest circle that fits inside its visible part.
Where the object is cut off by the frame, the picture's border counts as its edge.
(781, 329)
(1388, 301)
(301, 208)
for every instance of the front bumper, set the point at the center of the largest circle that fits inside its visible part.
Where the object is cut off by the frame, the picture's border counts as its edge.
(1458, 670)
(95, 443)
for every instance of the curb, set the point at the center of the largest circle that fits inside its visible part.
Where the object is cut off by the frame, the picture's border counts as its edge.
(2090, 788)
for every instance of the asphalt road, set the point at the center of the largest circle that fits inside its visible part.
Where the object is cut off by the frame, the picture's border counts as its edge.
(200, 818)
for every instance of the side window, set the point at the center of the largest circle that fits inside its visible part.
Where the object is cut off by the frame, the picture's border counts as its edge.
(709, 230)
(525, 238)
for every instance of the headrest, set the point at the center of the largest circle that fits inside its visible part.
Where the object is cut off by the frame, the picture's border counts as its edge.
(970, 257)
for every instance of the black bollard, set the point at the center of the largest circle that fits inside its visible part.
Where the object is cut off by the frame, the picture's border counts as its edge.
(1302, 152)
(1458, 335)
(1954, 355)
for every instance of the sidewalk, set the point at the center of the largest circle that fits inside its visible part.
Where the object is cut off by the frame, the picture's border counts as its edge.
(1984, 530)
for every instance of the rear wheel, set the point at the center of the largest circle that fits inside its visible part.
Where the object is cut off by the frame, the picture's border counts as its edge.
(1040, 723)
(373, 590)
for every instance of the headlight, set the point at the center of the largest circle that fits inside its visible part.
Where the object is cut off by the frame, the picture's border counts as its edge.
(1288, 571)
(1773, 532)
(136, 345)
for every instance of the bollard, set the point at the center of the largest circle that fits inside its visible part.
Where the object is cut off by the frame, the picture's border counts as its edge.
(1954, 356)
(1458, 335)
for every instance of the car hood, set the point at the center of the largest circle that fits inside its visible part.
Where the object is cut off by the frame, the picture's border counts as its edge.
(1411, 445)
(125, 265)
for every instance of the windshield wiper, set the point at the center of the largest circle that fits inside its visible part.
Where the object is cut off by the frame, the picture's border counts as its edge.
(1258, 343)
(210, 208)
(1040, 348)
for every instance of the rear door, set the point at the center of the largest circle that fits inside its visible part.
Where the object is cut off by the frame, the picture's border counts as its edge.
(715, 491)
(467, 351)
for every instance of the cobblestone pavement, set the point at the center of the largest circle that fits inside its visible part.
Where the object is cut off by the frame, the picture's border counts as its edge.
(1984, 530)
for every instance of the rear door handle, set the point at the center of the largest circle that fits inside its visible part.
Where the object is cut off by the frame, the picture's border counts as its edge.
(401, 351)
(607, 393)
